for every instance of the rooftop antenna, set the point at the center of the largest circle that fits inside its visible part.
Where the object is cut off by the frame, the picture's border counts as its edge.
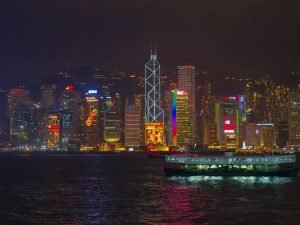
(155, 50)
(151, 48)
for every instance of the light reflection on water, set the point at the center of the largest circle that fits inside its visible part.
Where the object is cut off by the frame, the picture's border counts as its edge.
(133, 189)
(263, 180)
(243, 180)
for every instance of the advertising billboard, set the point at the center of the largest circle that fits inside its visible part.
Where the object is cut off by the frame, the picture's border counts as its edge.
(229, 124)
(154, 133)
(53, 128)
(92, 112)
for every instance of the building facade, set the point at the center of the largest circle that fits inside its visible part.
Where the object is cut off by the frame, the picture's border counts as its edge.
(48, 96)
(294, 118)
(134, 122)
(227, 120)
(186, 83)
(92, 138)
(71, 124)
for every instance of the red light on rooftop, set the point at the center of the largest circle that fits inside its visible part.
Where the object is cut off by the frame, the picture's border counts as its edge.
(70, 87)
(17, 90)
(230, 98)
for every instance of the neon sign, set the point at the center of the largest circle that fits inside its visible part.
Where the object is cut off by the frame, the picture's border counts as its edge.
(229, 124)
(92, 91)
(53, 128)
(92, 113)
(154, 133)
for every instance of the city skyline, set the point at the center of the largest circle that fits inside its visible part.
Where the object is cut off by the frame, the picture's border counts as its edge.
(249, 37)
(149, 112)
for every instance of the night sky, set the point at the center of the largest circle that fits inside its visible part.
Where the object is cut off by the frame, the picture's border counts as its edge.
(41, 37)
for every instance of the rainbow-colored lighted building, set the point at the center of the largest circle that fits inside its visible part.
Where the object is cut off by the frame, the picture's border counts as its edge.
(179, 130)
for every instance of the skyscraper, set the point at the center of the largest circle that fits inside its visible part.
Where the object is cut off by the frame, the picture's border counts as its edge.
(294, 117)
(134, 121)
(20, 114)
(207, 122)
(227, 119)
(154, 114)
(92, 119)
(111, 110)
(70, 115)
(153, 110)
(179, 131)
(186, 83)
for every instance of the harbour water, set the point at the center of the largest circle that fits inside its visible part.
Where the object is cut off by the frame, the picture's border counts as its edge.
(75, 189)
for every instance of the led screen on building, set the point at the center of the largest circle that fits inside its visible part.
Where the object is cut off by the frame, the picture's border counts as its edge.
(154, 133)
(53, 128)
(92, 112)
(229, 124)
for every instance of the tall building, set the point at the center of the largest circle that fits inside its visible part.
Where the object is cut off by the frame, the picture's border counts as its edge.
(153, 109)
(70, 102)
(281, 115)
(207, 121)
(4, 121)
(111, 111)
(154, 114)
(134, 122)
(294, 117)
(21, 124)
(227, 119)
(53, 130)
(179, 130)
(20, 111)
(92, 138)
(186, 83)
(48, 96)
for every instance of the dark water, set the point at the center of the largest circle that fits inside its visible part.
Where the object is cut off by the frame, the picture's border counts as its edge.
(133, 189)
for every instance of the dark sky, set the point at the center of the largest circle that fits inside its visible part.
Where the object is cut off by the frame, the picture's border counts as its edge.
(38, 38)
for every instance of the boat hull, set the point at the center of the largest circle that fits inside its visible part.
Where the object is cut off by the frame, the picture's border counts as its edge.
(231, 166)
(189, 172)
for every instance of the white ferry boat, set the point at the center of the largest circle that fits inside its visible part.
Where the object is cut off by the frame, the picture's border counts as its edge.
(231, 165)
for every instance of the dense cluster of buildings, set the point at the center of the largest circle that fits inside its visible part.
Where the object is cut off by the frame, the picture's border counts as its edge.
(181, 112)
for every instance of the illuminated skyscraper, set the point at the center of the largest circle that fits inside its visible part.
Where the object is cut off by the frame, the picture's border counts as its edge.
(20, 114)
(209, 129)
(227, 119)
(134, 131)
(294, 118)
(179, 130)
(53, 131)
(111, 119)
(153, 110)
(70, 102)
(22, 129)
(92, 119)
(186, 83)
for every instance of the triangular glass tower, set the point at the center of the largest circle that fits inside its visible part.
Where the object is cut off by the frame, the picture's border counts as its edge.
(153, 110)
